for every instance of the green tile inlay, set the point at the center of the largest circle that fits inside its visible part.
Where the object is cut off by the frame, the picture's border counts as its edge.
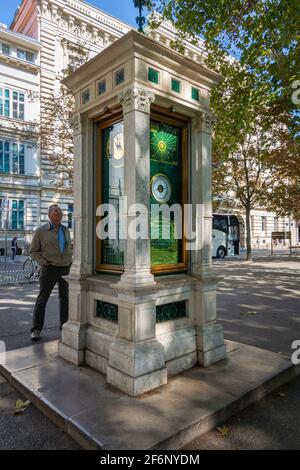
(153, 75)
(85, 96)
(176, 85)
(195, 94)
(107, 311)
(170, 311)
(101, 87)
(119, 76)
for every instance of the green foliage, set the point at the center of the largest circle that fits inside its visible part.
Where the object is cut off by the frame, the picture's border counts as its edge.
(254, 45)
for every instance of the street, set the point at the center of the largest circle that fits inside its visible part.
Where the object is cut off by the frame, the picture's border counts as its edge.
(258, 304)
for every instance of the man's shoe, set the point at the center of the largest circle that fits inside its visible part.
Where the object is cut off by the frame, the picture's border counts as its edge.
(35, 335)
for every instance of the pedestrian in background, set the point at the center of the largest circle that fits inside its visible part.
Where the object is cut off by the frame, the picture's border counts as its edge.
(14, 247)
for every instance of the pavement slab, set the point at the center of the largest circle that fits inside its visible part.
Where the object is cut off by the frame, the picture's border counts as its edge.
(98, 416)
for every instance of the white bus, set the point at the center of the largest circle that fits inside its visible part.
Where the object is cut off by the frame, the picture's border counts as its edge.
(226, 235)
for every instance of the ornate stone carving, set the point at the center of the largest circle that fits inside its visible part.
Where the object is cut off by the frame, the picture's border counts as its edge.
(204, 122)
(78, 123)
(136, 98)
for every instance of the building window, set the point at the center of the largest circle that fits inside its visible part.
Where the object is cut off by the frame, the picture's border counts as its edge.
(5, 49)
(29, 56)
(12, 104)
(85, 96)
(175, 85)
(1, 215)
(101, 87)
(119, 77)
(25, 55)
(18, 105)
(153, 75)
(4, 156)
(275, 224)
(17, 214)
(263, 223)
(70, 215)
(18, 164)
(4, 102)
(195, 94)
(12, 157)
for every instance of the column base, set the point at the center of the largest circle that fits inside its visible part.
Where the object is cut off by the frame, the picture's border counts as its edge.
(72, 355)
(73, 342)
(135, 386)
(210, 344)
(136, 368)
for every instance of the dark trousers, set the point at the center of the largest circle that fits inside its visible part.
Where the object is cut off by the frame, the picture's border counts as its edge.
(49, 276)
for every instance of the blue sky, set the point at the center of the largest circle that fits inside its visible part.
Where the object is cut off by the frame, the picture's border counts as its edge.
(122, 9)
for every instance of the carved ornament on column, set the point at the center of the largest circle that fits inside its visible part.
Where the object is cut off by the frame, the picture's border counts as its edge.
(54, 13)
(136, 98)
(44, 8)
(205, 121)
(78, 122)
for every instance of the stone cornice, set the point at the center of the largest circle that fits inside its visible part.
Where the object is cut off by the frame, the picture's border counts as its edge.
(71, 11)
(142, 46)
(19, 63)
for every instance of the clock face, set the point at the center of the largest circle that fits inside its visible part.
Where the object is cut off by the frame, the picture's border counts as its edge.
(116, 154)
(161, 188)
(118, 146)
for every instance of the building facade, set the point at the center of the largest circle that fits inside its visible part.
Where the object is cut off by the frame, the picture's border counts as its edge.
(20, 182)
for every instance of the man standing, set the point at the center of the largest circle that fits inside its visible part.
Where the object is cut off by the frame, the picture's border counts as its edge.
(51, 248)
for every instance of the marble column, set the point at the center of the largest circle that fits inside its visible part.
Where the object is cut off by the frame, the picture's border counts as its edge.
(136, 359)
(73, 340)
(210, 337)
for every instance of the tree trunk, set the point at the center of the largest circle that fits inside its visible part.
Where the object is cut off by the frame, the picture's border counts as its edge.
(248, 231)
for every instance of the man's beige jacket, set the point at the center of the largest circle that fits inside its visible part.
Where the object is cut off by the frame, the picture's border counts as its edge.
(45, 249)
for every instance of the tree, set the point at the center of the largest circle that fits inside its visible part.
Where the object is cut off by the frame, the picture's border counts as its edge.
(254, 45)
(55, 127)
(254, 172)
(262, 34)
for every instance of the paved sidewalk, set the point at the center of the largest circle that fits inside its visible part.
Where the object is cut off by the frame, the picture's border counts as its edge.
(258, 304)
(29, 430)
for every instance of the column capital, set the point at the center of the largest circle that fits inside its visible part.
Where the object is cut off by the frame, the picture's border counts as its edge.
(136, 99)
(204, 121)
(79, 123)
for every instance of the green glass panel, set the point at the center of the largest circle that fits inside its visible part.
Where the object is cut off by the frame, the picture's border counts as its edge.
(107, 311)
(195, 94)
(113, 189)
(153, 75)
(170, 311)
(175, 85)
(165, 168)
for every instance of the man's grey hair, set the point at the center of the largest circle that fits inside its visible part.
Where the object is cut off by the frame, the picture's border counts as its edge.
(52, 207)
